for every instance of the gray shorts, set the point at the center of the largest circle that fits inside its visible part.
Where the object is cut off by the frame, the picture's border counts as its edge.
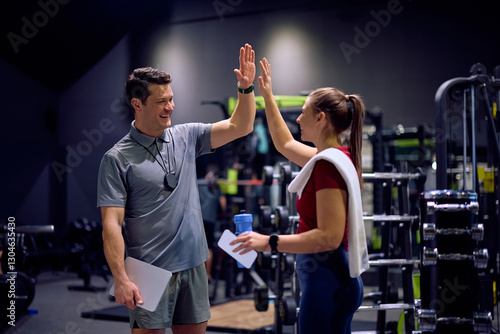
(185, 301)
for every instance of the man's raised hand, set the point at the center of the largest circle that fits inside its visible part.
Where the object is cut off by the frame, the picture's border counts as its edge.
(246, 73)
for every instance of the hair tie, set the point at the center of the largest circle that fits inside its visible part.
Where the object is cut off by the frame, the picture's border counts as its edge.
(347, 97)
(350, 106)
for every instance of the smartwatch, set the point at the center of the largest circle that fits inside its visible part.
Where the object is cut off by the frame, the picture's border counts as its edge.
(273, 242)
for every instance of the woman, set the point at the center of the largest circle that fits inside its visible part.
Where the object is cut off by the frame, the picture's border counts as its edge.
(328, 203)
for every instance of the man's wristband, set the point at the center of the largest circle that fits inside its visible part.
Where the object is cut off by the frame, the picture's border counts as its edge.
(246, 91)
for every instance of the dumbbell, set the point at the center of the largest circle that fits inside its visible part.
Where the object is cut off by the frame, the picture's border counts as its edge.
(427, 321)
(430, 231)
(288, 310)
(280, 219)
(287, 262)
(265, 260)
(266, 216)
(287, 307)
(479, 256)
(285, 175)
(268, 175)
(261, 297)
(287, 265)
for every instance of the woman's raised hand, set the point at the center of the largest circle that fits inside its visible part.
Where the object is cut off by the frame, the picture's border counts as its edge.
(265, 87)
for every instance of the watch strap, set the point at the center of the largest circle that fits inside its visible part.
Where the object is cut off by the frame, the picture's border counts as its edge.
(246, 91)
(273, 242)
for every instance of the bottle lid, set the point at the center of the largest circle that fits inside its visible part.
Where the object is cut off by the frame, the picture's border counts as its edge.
(243, 217)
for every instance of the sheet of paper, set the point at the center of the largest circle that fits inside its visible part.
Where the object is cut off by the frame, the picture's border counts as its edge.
(150, 280)
(246, 259)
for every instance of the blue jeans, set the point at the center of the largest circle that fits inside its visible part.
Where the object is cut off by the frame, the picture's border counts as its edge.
(329, 295)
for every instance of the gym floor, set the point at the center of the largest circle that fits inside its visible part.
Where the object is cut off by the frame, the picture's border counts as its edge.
(57, 310)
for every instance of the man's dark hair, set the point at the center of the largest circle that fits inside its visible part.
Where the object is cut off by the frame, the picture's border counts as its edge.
(138, 82)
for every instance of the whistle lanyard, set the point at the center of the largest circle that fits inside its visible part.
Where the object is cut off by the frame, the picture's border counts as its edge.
(170, 180)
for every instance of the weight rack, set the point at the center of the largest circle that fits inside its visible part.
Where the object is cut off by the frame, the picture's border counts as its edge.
(389, 180)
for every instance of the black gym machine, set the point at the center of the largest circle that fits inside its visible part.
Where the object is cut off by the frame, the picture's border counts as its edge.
(459, 223)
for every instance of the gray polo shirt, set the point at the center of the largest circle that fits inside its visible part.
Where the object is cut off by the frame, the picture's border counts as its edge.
(162, 227)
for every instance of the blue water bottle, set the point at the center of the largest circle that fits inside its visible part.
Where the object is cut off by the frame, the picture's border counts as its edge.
(243, 222)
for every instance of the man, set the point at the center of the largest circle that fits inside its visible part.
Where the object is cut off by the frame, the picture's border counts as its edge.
(147, 182)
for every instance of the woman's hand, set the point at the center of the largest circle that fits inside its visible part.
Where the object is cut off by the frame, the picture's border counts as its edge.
(265, 87)
(251, 241)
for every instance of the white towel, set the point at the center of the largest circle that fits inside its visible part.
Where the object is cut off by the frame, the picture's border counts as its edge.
(358, 252)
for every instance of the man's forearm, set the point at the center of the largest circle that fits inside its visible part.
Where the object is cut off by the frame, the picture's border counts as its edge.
(114, 250)
(244, 113)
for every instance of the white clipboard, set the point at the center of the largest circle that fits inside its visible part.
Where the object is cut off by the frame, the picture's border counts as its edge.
(246, 259)
(150, 280)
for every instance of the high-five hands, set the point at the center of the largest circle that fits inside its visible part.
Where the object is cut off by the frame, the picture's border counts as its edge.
(265, 87)
(246, 73)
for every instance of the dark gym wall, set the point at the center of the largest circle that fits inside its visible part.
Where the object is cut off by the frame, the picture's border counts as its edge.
(28, 138)
(397, 66)
(92, 117)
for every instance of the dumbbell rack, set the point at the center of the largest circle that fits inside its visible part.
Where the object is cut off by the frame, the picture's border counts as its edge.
(387, 221)
(452, 262)
(452, 250)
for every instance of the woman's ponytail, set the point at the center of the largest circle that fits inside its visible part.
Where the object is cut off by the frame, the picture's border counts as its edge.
(356, 138)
